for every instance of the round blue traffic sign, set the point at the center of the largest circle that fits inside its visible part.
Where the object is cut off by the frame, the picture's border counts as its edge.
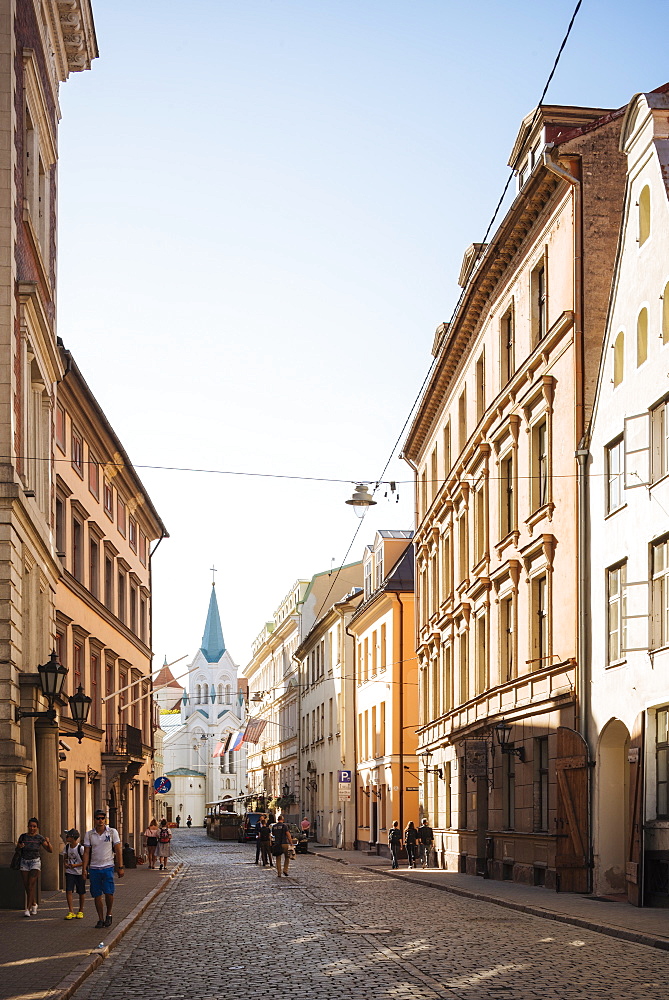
(162, 785)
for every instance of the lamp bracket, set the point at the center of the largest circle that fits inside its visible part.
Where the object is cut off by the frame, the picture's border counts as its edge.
(50, 714)
(518, 752)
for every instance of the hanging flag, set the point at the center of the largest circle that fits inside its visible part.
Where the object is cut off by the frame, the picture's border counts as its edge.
(236, 739)
(220, 749)
(254, 729)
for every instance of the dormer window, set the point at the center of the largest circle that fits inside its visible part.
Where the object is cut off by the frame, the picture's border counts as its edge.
(368, 579)
(379, 567)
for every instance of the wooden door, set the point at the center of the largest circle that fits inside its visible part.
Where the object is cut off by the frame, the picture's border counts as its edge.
(634, 859)
(572, 850)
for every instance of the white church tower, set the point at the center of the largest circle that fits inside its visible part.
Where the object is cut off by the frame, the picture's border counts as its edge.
(212, 707)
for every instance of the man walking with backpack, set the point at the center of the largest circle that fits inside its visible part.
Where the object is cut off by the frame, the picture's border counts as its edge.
(426, 838)
(281, 845)
(395, 843)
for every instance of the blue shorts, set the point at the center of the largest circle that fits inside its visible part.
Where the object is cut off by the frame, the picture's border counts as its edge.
(101, 881)
(75, 883)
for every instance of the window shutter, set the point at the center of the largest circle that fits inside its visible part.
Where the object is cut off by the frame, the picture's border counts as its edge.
(635, 624)
(637, 451)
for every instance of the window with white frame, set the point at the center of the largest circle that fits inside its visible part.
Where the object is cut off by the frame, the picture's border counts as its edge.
(614, 475)
(616, 592)
(660, 594)
(660, 440)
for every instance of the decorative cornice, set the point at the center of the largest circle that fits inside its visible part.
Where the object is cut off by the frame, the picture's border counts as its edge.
(73, 36)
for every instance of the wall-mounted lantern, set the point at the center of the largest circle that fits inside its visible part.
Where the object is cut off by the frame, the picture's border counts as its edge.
(503, 733)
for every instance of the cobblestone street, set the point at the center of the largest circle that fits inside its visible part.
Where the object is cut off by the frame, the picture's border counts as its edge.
(225, 928)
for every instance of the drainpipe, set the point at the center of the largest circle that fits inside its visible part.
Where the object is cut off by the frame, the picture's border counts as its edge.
(550, 162)
(583, 673)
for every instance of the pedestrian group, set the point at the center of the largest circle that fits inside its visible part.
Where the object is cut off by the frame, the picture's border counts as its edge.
(274, 841)
(418, 842)
(97, 859)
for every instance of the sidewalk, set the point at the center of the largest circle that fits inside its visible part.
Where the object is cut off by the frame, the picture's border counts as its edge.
(48, 956)
(645, 926)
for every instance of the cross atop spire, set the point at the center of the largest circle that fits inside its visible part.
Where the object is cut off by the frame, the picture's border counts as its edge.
(213, 580)
(213, 644)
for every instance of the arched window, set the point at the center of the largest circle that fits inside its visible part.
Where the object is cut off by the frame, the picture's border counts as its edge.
(618, 359)
(220, 694)
(198, 695)
(644, 215)
(665, 314)
(642, 337)
(228, 694)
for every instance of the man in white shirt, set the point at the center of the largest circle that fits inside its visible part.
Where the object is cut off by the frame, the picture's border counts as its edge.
(102, 848)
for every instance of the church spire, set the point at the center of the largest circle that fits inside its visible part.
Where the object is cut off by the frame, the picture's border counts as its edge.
(213, 644)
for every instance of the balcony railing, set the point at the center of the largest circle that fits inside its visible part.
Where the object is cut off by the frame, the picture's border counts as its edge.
(123, 740)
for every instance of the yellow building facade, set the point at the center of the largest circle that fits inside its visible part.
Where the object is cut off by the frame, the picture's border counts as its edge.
(386, 692)
(105, 525)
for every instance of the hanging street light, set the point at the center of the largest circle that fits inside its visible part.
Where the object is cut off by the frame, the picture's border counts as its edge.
(361, 500)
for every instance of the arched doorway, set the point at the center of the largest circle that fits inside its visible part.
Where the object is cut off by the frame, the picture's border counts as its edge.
(612, 810)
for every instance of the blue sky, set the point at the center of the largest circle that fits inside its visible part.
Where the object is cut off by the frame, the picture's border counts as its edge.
(263, 211)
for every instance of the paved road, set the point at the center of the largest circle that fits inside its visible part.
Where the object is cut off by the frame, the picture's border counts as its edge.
(226, 929)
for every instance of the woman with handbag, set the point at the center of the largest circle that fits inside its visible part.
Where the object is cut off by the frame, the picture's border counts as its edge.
(151, 835)
(30, 865)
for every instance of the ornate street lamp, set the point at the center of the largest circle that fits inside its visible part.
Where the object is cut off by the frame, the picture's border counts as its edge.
(425, 758)
(503, 733)
(51, 678)
(80, 706)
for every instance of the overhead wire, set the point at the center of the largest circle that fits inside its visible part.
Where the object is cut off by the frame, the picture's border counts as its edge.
(460, 297)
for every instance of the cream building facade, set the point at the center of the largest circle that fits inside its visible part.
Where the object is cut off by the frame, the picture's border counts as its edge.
(41, 42)
(386, 692)
(274, 771)
(326, 672)
(629, 516)
(498, 543)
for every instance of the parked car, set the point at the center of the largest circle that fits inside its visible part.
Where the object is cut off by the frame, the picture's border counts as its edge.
(300, 839)
(247, 829)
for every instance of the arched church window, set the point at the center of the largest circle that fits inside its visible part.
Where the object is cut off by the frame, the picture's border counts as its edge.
(642, 337)
(220, 694)
(618, 359)
(644, 215)
(228, 694)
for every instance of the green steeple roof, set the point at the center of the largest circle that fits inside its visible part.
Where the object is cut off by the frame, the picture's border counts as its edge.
(213, 643)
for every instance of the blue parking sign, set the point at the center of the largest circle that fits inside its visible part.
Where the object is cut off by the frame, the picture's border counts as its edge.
(345, 777)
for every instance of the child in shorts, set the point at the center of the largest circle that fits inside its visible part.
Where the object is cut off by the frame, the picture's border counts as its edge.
(73, 854)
